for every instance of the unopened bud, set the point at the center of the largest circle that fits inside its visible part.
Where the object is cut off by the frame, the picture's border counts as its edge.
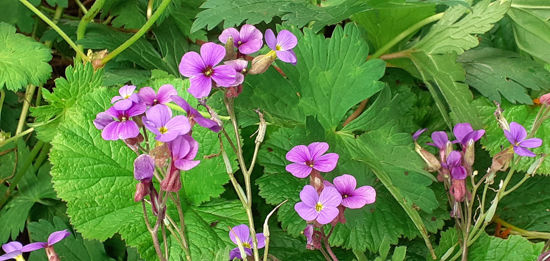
(316, 180)
(545, 99)
(233, 92)
(458, 189)
(535, 166)
(51, 254)
(502, 160)
(261, 63)
(133, 143)
(502, 122)
(469, 154)
(431, 161)
(97, 58)
(142, 190)
(172, 181)
(230, 53)
(448, 149)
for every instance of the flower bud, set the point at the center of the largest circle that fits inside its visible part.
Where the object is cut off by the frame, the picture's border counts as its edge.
(458, 189)
(132, 143)
(502, 160)
(233, 92)
(172, 181)
(97, 58)
(261, 63)
(545, 99)
(161, 154)
(51, 254)
(144, 166)
(143, 188)
(430, 159)
(502, 122)
(469, 154)
(230, 53)
(316, 180)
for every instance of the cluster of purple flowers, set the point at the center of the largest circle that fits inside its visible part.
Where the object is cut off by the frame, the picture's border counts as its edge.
(148, 110)
(205, 71)
(15, 250)
(240, 235)
(323, 202)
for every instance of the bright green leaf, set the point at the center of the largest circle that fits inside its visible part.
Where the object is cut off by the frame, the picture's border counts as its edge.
(531, 23)
(517, 248)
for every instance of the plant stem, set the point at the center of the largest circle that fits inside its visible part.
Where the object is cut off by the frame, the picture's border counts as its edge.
(42, 156)
(153, 231)
(177, 202)
(2, 98)
(86, 19)
(14, 138)
(55, 28)
(81, 6)
(327, 245)
(139, 33)
(525, 178)
(29, 93)
(406, 33)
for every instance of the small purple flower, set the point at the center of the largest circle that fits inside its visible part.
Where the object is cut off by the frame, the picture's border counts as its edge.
(418, 133)
(126, 99)
(516, 136)
(195, 115)
(240, 68)
(184, 150)
(440, 140)
(282, 45)
(158, 119)
(248, 40)
(464, 133)
(307, 159)
(201, 69)
(144, 166)
(242, 232)
(15, 250)
(308, 233)
(323, 208)
(454, 164)
(150, 98)
(351, 197)
(121, 127)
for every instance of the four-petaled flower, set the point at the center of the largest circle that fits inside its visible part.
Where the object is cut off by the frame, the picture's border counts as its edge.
(323, 208)
(150, 97)
(184, 150)
(352, 197)
(516, 136)
(126, 99)
(121, 127)
(240, 68)
(248, 40)
(282, 45)
(158, 119)
(201, 70)
(454, 164)
(465, 134)
(440, 140)
(195, 115)
(308, 158)
(242, 232)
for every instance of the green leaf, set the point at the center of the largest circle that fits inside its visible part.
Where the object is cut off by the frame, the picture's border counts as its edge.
(172, 47)
(448, 240)
(493, 72)
(79, 80)
(495, 140)
(17, 14)
(455, 32)
(60, 3)
(128, 14)
(531, 23)
(74, 247)
(23, 61)
(95, 178)
(515, 248)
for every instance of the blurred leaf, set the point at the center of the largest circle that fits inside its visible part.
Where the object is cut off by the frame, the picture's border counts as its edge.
(128, 14)
(15, 13)
(171, 45)
(517, 248)
(60, 3)
(531, 22)
(23, 61)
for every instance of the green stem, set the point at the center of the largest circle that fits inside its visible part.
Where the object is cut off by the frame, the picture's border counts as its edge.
(56, 16)
(2, 98)
(81, 6)
(14, 138)
(52, 11)
(25, 110)
(139, 33)
(55, 28)
(86, 19)
(406, 33)
(42, 156)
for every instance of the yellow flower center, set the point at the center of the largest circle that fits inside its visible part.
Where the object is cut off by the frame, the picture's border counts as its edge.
(124, 118)
(278, 47)
(239, 42)
(345, 196)
(318, 207)
(246, 245)
(19, 258)
(163, 130)
(127, 96)
(208, 71)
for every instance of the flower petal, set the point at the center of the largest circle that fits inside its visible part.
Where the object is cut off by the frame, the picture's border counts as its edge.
(458, 172)
(309, 196)
(12, 246)
(185, 164)
(330, 197)
(306, 212)
(326, 163)
(147, 95)
(327, 215)
(418, 133)
(287, 56)
(229, 32)
(345, 184)
(110, 132)
(165, 93)
(510, 137)
(454, 158)
(159, 115)
(286, 40)
(224, 75)
(270, 39)
(251, 46)
(102, 119)
(299, 170)
(360, 197)
(180, 124)
(123, 104)
(200, 86)
(191, 64)
(299, 153)
(212, 54)
(241, 231)
(127, 129)
(136, 109)
(126, 90)
(183, 104)
(261, 240)
(524, 152)
(251, 39)
(461, 130)
(440, 139)
(34, 246)
(518, 131)
(10, 255)
(531, 143)
(317, 149)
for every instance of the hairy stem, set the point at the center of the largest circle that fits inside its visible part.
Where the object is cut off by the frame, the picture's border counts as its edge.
(177, 202)
(86, 19)
(153, 232)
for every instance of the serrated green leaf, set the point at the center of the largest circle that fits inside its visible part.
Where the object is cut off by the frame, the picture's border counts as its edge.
(517, 248)
(79, 80)
(531, 23)
(74, 247)
(494, 72)
(455, 32)
(99, 193)
(23, 61)
(495, 140)
(448, 240)
(128, 14)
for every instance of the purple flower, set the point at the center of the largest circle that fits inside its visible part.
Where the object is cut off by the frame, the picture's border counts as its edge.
(454, 164)
(158, 119)
(121, 127)
(195, 115)
(464, 133)
(323, 208)
(418, 133)
(282, 45)
(248, 40)
(201, 69)
(352, 197)
(184, 150)
(15, 250)
(440, 140)
(242, 232)
(516, 135)
(150, 98)
(240, 68)
(144, 166)
(126, 99)
(309, 158)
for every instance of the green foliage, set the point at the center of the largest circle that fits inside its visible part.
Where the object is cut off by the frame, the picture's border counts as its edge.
(23, 61)
(99, 194)
(531, 23)
(447, 243)
(495, 140)
(15, 13)
(74, 247)
(128, 14)
(79, 80)
(490, 248)
(493, 72)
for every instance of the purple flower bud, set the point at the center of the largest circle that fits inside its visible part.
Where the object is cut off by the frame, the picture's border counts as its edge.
(144, 166)
(418, 133)
(184, 150)
(454, 164)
